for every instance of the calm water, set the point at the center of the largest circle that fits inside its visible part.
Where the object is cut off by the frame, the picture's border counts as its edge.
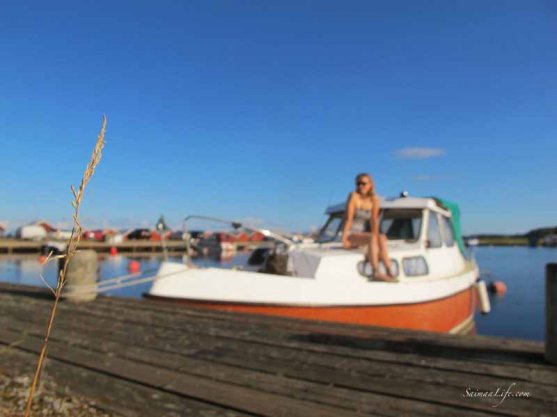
(519, 313)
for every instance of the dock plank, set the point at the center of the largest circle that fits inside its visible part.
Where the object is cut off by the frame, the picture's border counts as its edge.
(118, 396)
(396, 368)
(213, 392)
(325, 389)
(216, 362)
(215, 351)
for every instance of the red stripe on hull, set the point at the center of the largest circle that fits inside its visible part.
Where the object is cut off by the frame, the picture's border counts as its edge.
(437, 316)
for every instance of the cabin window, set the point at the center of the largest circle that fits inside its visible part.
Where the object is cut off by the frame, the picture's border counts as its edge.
(330, 232)
(434, 232)
(448, 231)
(365, 269)
(402, 224)
(415, 266)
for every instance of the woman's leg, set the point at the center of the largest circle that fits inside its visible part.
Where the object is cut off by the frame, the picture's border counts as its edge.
(379, 247)
(373, 253)
(373, 250)
(384, 254)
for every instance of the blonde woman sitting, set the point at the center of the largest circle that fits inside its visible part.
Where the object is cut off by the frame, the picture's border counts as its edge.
(361, 226)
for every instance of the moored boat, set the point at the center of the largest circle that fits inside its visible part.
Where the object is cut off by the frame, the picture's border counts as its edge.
(436, 288)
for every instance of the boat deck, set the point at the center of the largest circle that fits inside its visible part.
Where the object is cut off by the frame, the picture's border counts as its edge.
(142, 358)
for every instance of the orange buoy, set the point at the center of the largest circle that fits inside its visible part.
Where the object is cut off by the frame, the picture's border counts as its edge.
(498, 287)
(42, 259)
(134, 267)
(113, 251)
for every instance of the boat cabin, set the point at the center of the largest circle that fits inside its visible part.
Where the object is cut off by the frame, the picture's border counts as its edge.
(423, 238)
(423, 221)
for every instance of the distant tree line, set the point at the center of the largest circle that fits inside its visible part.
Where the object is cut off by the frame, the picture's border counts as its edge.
(532, 234)
(542, 236)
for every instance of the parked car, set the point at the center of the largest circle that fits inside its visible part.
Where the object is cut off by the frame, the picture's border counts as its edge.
(139, 234)
(177, 235)
(97, 235)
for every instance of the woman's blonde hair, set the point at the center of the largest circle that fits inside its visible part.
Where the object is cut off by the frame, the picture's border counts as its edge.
(371, 191)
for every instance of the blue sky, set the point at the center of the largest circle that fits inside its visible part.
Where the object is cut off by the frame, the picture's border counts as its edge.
(265, 110)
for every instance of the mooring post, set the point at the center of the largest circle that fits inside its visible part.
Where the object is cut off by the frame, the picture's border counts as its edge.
(551, 313)
(81, 277)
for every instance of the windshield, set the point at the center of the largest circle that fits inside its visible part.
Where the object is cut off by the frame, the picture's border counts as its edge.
(331, 231)
(397, 224)
(401, 224)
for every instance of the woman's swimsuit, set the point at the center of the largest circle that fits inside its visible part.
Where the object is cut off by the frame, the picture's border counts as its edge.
(362, 221)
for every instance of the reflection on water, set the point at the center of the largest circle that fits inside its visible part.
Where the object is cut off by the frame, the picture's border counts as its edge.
(27, 270)
(519, 313)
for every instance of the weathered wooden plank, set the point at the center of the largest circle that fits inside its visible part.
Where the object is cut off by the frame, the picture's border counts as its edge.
(144, 306)
(458, 378)
(271, 380)
(172, 336)
(525, 362)
(427, 361)
(118, 396)
(210, 391)
(527, 350)
(282, 350)
(474, 342)
(331, 374)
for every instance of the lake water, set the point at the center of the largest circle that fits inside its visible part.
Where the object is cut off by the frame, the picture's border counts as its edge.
(519, 313)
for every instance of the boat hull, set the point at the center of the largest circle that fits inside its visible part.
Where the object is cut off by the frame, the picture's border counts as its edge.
(452, 314)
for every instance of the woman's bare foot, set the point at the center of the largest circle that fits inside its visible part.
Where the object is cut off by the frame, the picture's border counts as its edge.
(390, 273)
(383, 277)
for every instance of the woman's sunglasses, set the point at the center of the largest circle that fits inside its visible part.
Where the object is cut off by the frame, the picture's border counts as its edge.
(362, 183)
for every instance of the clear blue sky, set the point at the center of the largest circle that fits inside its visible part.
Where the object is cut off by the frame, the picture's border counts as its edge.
(266, 109)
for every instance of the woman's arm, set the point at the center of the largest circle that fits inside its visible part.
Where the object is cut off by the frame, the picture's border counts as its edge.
(348, 219)
(375, 216)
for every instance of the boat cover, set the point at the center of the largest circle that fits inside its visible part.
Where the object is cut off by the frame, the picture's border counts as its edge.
(455, 221)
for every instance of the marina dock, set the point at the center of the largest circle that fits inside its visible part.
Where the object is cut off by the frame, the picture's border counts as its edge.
(134, 247)
(142, 358)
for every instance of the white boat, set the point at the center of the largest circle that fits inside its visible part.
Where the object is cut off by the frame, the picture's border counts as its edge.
(472, 241)
(436, 288)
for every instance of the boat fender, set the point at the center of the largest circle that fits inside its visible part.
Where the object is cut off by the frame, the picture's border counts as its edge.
(498, 287)
(134, 267)
(485, 305)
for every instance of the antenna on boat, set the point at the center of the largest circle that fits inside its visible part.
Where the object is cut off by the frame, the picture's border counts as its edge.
(404, 194)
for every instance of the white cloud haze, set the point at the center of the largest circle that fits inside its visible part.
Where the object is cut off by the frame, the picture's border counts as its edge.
(418, 153)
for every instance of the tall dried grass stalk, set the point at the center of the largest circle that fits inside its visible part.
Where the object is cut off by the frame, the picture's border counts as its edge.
(72, 247)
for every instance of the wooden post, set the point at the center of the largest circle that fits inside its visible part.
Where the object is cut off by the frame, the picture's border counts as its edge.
(551, 313)
(81, 277)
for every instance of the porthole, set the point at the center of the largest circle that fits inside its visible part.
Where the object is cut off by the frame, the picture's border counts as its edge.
(415, 266)
(365, 269)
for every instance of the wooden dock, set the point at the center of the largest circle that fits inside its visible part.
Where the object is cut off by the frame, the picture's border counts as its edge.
(142, 358)
(18, 246)
(133, 247)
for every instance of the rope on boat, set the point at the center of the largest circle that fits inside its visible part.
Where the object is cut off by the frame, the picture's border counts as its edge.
(123, 281)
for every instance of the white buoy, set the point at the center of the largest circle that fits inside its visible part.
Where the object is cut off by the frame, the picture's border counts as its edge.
(485, 305)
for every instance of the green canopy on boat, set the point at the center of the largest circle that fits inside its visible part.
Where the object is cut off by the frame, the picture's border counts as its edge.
(455, 217)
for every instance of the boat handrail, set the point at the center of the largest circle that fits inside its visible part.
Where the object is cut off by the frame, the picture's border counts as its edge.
(237, 225)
